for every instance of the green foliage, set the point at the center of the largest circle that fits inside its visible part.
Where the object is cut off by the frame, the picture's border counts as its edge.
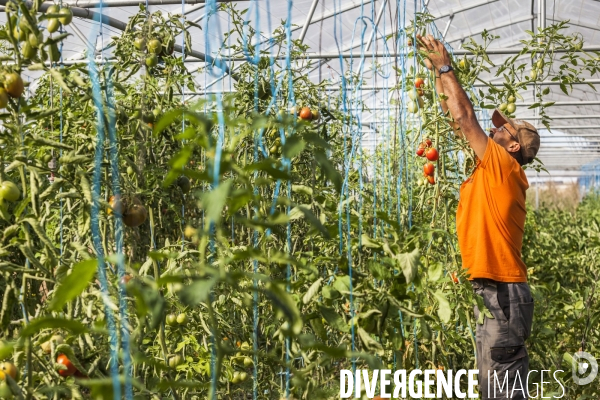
(278, 224)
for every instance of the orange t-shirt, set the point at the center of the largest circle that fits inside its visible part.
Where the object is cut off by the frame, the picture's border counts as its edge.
(490, 219)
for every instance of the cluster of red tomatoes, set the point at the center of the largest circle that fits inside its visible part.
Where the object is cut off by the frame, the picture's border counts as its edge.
(426, 150)
(306, 114)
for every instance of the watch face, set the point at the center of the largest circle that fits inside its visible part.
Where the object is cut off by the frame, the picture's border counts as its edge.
(445, 68)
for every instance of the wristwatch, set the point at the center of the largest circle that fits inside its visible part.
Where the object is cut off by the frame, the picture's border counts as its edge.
(445, 68)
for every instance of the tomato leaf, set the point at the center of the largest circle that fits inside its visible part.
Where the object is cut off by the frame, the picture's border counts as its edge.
(409, 263)
(334, 319)
(282, 300)
(370, 343)
(74, 283)
(444, 311)
(197, 292)
(312, 291)
(214, 201)
(38, 324)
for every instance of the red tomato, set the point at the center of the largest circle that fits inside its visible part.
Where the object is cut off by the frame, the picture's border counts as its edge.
(64, 360)
(419, 82)
(432, 154)
(421, 151)
(454, 277)
(429, 169)
(305, 113)
(431, 180)
(428, 142)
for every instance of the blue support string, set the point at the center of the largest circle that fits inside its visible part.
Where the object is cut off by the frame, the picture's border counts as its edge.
(95, 223)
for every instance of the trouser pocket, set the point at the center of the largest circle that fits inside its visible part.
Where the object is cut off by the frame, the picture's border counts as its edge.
(526, 319)
(506, 376)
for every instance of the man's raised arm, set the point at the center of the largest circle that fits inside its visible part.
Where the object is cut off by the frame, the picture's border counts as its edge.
(458, 102)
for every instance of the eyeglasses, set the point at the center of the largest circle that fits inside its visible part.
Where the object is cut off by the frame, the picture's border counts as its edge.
(502, 128)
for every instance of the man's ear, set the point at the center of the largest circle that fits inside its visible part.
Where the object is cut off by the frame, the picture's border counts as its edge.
(514, 147)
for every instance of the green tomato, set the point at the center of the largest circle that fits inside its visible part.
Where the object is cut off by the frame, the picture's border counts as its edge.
(412, 94)
(174, 361)
(151, 61)
(155, 46)
(502, 107)
(53, 9)
(130, 170)
(5, 392)
(182, 319)
(511, 99)
(533, 74)
(171, 320)
(53, 25)
(248, 362)
(19, 33)
(67, 16)
(511, 108)
(412, 107)
(243, 376)
(28, 51)
(540, 63)
(9, 191)
(139, 43)
(35, 40)
(236, 377)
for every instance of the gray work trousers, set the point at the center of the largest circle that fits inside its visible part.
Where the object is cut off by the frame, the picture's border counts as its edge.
(502, 357)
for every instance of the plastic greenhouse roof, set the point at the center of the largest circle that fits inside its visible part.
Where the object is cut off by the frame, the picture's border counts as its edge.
(343, 25)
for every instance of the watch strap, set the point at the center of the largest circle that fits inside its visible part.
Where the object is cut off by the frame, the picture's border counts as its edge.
(444, 69)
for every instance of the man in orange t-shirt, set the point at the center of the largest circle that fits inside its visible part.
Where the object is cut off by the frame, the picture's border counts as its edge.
(490, 221)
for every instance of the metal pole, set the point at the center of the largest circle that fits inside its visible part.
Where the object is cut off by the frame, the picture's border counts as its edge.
(447, 26)
(133, 3)
(311, 12)
(378, 18)
(542, 14)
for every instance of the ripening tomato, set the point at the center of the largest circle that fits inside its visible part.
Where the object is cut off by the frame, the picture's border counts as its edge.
(429, 169)
(135, 215)
(64, 360)
(316, 115)
(8, 368)
(432, 154)
(454, 277)
(125, 279)
(47, 346)
(421, 151)
(419, 82)
(116, 205)
(428, 142)
(431, 179)
(305, 113)
(13, 83)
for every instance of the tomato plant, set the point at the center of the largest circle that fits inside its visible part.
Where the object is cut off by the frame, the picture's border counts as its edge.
(230, 215)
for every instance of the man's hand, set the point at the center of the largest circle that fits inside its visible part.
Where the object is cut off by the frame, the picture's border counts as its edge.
(438, 55)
